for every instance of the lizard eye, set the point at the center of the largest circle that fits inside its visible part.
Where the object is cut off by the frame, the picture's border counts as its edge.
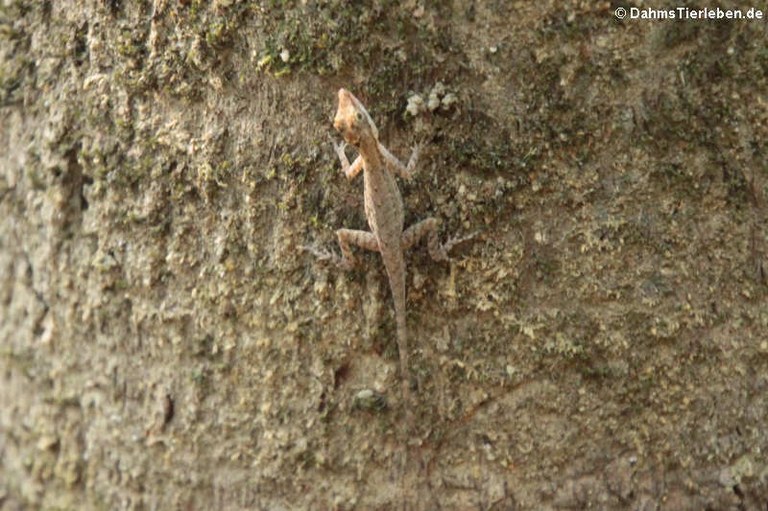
(359, 116)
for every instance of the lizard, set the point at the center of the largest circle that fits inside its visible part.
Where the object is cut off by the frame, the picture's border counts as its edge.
(385, 214)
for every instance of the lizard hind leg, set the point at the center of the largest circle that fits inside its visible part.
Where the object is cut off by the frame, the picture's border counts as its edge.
(348, 237)
(428, 227)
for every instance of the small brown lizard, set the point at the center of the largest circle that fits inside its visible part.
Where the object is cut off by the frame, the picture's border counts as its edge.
(384, 211)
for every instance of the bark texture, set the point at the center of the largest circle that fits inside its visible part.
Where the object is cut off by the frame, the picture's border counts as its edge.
(165, 345)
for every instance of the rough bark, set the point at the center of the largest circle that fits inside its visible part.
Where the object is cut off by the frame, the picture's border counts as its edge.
(165, 345)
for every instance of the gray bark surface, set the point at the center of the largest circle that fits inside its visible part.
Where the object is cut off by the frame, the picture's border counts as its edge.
(164, 343)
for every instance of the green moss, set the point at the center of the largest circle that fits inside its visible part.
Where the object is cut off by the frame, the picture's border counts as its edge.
(37, 181)
(323, 38)
(599, 371)
(12, 75)
(16, 65)
(22, 359)
(306, 37)
(121, 285)
(217, 33)
(199, 376)
(564, 346)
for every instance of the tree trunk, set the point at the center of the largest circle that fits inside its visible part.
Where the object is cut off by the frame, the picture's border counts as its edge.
(166, 344)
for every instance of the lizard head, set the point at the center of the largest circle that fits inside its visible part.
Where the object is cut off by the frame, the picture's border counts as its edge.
(353, 121)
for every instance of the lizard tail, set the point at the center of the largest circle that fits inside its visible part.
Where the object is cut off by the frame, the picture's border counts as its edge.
(398, 292)
(402, 337)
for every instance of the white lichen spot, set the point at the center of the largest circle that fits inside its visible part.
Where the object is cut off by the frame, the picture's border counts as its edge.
(438, 89)
(437, 98)
(415, 105)
(449, 100)
(433, 102)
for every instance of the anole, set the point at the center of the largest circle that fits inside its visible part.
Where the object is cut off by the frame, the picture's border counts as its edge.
(384, 211)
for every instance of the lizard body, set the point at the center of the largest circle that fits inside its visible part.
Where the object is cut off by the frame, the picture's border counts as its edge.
(384, 212)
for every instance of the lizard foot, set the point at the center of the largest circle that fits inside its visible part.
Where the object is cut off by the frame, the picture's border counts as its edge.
(321, 253)
(455, 240)
(328, 256)
(339, 148)
(415, 154)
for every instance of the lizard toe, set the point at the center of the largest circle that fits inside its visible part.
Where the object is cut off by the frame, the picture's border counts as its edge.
(455, 240)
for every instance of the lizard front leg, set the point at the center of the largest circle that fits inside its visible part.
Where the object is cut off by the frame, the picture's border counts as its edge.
(347, 237)
(396, 166)
(428, 227)
(349, 170)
